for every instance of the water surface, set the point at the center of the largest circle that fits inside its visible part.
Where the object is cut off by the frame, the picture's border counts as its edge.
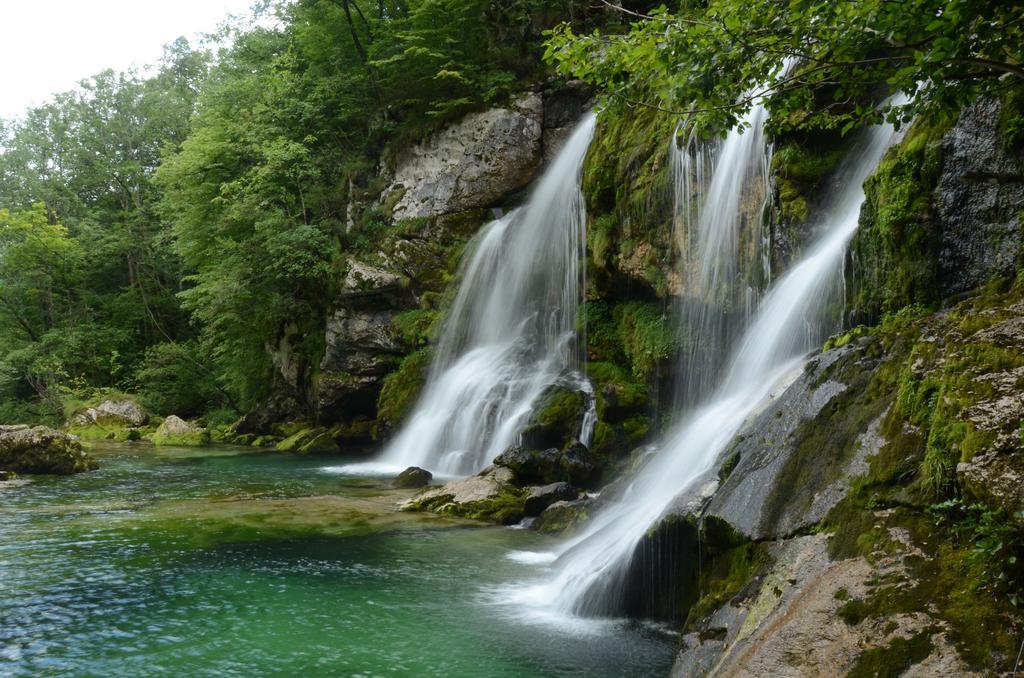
(225, 562)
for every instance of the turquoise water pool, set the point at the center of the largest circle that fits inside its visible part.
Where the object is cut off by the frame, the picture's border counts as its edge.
(224, 562)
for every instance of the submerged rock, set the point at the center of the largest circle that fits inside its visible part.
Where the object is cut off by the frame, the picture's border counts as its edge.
(8, 475)
(176, 431)
(412, 477)
(42, 450)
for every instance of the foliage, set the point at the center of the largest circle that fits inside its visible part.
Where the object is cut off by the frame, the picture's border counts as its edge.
(161, 232)
(88, 278)
(710, 60)
(172, 379)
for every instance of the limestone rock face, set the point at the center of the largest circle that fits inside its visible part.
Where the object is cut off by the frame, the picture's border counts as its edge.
(122, 412)
(978, 201)
(789, 623)
(472, 163)
(997, 479)
(361, 343)
(758, 498)
(42, 450)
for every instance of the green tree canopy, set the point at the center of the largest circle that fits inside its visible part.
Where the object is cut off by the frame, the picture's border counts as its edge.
(709, 60)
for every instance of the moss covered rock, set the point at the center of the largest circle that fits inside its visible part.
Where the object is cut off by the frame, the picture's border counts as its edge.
(412, 478)
(265, 441)
(557, 418)
(309, 441)
(490, 495)
(176, 431)
(118, 419)
(41, 450)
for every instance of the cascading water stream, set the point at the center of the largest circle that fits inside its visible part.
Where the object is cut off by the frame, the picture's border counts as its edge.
(713, 212)
(510, 333)
(589, 570)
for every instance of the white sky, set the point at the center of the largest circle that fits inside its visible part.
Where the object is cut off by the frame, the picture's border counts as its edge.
(47, 46)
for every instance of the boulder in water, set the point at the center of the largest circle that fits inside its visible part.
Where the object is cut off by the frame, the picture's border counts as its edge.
(176, 431)
(412, 477)
(42, 450)
(489, 495)
(562, 516)
(541, 497)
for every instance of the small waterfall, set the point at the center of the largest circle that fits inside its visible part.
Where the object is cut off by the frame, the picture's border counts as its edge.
(713, 213)
(511, 331)
(590, 570)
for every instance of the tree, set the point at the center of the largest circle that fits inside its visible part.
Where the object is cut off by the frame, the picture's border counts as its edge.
(710, 60)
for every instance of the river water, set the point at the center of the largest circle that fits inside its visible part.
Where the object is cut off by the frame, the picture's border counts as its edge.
(222, 561)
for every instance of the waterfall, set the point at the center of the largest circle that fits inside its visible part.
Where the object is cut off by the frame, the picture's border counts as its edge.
(711, 217)
(511, 331)
(589, 570)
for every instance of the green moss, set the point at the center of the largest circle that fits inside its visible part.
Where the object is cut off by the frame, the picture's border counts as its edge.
(618, 393)
(309, 441)
(599, 327)
(402, 388)
(893, 659)
(416, 326)
(636, 429)
(628, 192)
(1011, 117)
(728, 467)
(845, 338)
(560, 409)
(646, 335)
(968, 576)
(799, 169)
(601, 240)
(196, 438)
(724, 575)
(507, 507)
(896, 246)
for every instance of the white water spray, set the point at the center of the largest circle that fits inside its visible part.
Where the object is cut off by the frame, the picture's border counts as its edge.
(590, 569)
(510, 333)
